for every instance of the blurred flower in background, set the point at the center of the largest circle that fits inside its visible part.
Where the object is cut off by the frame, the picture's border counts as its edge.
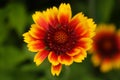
(62, 39)
(106, 47)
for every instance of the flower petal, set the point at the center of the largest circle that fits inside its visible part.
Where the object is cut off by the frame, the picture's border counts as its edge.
(40, 19)
(74, 52)
(90, 26)
(53, 58)
(35, 46)
(55, 70)
(104, 28)
(81, 30)
(28, 38)
(96, 60)
(64, 14)
(40, 56)
(118, 40)
(51, 16)
(85, 43)
(37, 32)
(83, 25)
(116, 61)
(80, 56)
(76, 20)
(106, 65)
(65, 59)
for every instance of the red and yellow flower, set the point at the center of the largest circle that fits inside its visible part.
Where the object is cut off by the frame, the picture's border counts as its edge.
(106, 48)
(59, 37)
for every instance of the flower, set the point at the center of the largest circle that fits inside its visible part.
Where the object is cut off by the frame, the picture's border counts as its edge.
(59, 37)
(106, 48)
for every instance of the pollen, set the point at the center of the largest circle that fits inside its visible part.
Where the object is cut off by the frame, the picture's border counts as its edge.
(60, 37)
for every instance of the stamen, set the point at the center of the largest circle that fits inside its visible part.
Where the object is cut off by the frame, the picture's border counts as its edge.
(60, 37)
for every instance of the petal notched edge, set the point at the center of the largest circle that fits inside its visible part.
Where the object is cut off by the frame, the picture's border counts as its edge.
(51, 16)
(36, 31)
(81, 56)
(40, 57)
(40, 19)
(55, 70)
(36, 46)
(53, 58)
(74, 52)
(84, 26)
(65, 59)
(64, 14)
(75, 20)
(85, 43)
(28, 38)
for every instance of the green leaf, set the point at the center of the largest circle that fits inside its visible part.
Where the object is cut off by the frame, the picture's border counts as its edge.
(3, 25)
(10, 56)
(17, 16)
(103, 10)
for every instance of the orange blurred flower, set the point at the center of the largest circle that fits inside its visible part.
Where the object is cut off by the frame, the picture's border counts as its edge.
(106, 48)
(62, 38)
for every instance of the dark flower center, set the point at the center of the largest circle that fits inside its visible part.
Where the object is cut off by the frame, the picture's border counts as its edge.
(60, 39)
(107, 46)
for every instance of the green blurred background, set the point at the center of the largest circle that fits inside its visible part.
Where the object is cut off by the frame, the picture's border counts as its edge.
(16, 62)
